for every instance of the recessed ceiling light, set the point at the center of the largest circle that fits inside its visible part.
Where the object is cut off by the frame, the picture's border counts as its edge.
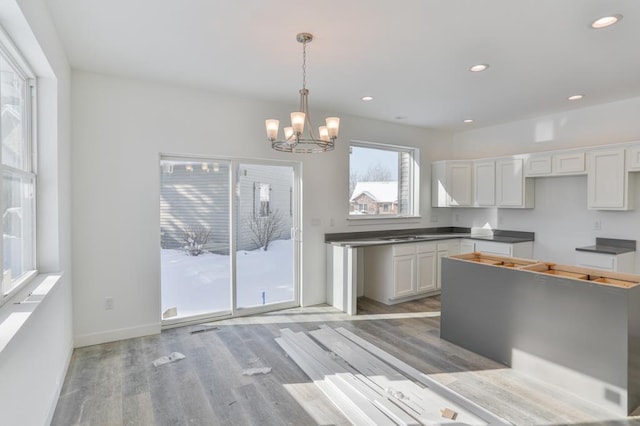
(479, 67)
(575, 97)
(366, 98)
(605, 21)
(468, 120)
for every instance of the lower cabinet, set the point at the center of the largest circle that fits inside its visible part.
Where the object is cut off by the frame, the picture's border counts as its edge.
(396, 273)
(624, 262)
(521, 250)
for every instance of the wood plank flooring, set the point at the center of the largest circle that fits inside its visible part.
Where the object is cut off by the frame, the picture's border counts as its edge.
(116, 383)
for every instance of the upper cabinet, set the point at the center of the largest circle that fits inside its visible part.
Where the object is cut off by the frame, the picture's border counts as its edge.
(607, 180)
(633, 158)
(512, 189)
(508, 182)
(484, 183)
(451, 184)
(555, 164)
(538, 165)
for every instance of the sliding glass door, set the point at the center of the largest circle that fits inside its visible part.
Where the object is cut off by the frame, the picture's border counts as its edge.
(265, 249)
(227, 252)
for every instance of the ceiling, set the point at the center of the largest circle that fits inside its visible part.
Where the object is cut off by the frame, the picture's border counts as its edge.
(412, 56)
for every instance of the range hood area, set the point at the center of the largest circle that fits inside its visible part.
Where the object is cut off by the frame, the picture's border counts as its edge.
(575, 327)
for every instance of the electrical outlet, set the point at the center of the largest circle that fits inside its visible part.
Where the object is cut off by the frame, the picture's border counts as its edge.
(108, 304)
(597, 225)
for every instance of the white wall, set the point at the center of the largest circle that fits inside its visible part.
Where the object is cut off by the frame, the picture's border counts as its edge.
(119, 129)
(560, 219)
(34, 363)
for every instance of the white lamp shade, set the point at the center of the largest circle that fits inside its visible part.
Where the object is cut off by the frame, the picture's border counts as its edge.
(324, 133)
(288, 134)
(297, 121)
(272, 128)
(333, 125)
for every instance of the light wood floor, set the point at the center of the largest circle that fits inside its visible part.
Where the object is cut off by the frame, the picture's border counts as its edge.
(116, 383)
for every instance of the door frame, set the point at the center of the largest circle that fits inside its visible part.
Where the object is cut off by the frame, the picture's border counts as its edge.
(296, 239)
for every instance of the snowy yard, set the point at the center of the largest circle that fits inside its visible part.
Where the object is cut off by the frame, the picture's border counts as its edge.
(201, 284)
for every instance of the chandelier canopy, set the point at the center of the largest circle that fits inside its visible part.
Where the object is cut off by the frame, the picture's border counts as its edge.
(299, 138)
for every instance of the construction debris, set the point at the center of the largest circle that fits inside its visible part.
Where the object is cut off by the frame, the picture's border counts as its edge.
(173, 357)
(371, 387)
(449, 414)
(256, 370)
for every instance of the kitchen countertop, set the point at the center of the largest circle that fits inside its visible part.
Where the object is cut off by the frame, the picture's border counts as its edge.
(371, 238)
(610, 246)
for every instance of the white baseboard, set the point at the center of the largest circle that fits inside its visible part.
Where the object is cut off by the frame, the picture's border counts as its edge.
(115, 335)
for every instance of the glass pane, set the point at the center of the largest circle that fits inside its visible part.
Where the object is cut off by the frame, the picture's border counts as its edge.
(12, 103)
(18, 221)
(194, 229)
(373, 182)
(264, 256)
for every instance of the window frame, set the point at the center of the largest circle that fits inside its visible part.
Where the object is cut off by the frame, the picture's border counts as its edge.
(14, 58)
(413, 179)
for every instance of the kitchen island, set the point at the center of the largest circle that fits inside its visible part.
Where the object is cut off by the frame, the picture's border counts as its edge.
(574, 327)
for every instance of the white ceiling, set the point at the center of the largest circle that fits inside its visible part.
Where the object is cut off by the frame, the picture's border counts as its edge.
(411, 55)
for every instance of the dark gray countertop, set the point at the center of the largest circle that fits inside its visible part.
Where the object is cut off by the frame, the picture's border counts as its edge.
(371, 238)
(610, 246)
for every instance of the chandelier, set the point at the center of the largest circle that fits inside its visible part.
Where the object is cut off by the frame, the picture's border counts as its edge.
(299, 138)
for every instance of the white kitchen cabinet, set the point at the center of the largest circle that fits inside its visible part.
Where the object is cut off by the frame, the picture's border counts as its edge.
(426, 264)
(484, 183)
(633, 158)
(467, 246)
(513, 190)
(522, 250)
(399, 272)
(555, 164)
(451, 184)
(568, 163)
(538, 165)
(459, 180)
(624, 262)
(404, 275)
(607, 180)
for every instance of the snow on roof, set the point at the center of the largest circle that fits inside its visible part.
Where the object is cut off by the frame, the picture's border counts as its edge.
(382, 192)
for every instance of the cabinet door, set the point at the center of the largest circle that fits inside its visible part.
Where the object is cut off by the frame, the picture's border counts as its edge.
(509, 183)
(568, 163)
(467, 246)
(426, 271)
(606, 180)
(633, 158)
(440, 255)
(538, 165)
(459, 184)
(404, 275)
(492, 247)
(484, 183)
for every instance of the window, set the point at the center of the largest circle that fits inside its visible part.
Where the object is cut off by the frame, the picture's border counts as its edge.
(383, 180)
(17, 188)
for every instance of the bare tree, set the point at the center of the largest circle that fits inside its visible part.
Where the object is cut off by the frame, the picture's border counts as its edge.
(195, 237)
(376, 173)
(265, 228)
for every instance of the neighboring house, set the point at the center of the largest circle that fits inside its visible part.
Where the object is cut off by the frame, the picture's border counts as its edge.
(374, 198)
(197, 197)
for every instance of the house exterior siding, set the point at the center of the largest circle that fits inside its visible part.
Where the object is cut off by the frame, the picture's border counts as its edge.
(198, 198)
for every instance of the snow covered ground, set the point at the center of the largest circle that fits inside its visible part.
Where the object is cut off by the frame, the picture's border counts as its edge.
(201, 284)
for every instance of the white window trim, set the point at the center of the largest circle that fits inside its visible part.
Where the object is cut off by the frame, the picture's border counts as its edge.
(21, 66)
(414, 177)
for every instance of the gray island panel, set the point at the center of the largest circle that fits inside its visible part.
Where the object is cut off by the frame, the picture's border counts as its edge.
(577, 334)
